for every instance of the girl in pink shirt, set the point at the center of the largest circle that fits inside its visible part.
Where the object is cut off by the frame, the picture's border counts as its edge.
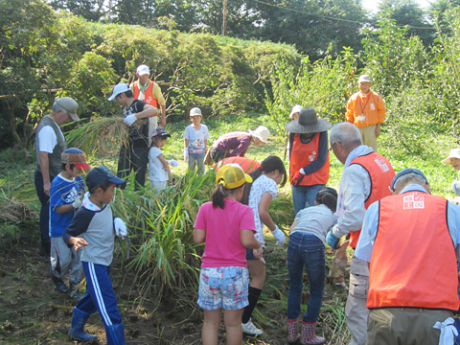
(227, 228)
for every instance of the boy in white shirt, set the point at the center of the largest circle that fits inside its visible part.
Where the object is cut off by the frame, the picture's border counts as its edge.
(196, 141)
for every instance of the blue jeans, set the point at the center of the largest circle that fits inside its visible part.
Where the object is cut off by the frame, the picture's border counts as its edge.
(305, 250)
(304, 196)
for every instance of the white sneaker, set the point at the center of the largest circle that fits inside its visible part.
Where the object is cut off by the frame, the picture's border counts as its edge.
(250, 329)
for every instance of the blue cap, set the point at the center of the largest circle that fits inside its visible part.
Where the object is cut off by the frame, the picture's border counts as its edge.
(405, 172)
(101, 174)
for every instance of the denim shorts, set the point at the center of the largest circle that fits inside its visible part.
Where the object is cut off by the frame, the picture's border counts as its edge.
(223, 287)
(250, 254)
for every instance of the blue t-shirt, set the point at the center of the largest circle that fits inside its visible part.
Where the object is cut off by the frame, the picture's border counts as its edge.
(63, 192)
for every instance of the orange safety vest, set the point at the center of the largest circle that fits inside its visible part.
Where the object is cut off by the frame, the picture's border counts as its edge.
(247, 164)
(148, 94)
(381, 173)
(303, 155)
(413, 261)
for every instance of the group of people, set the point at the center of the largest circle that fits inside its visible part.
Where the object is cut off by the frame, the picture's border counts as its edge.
(401, 296)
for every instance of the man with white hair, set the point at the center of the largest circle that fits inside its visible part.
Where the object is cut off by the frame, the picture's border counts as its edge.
(148, 91)
(411, 242)
(49, 144)
(366, 178)
(366, 110)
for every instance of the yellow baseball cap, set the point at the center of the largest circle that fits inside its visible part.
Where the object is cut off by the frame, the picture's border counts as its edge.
(232, 176)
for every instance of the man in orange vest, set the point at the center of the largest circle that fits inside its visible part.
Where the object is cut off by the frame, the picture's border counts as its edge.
(366, 110)
(411, 240)
(366, 178)
(148, 91)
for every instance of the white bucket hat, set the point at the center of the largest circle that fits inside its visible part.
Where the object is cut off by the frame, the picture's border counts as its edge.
(119, 88)
(455, 153)
(262, 133)
(296, 109)
(195, 111)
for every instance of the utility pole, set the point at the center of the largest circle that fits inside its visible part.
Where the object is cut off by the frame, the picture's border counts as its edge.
(224, 21)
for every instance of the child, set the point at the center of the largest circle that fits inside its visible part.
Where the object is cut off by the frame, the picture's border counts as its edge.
(159, 170)
(95, 227)
(66, 194)
(227, 228)
(196, 141)
(259, 195)
(306, 248)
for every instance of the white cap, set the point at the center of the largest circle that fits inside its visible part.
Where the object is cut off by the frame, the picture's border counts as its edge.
(296, 109)
(195, 111)
(119, 88)
(364, 78)
(142, 69)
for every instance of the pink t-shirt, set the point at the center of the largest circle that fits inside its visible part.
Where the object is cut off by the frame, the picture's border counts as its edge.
(223, 245)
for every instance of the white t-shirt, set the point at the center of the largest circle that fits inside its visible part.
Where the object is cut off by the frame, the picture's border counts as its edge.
(259, 187)
(156, 169)
(196, 138)
(47, 139)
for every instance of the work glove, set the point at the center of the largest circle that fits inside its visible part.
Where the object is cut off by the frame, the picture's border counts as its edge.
(298, 177)
(173, 163)
(186, 155)
(129, 120)
(279, 235)
(332, 240)
(456, 187)
(120, 227)
(78, 201)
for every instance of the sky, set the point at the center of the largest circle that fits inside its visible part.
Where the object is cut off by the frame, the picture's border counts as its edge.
(373, 5)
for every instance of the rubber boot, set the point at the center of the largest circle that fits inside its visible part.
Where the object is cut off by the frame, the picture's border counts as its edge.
(293, 331)
(76, 331)
(59, 283)
(309, 334)
(115, 334)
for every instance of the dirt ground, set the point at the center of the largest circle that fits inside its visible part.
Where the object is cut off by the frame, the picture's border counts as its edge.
(34, 312)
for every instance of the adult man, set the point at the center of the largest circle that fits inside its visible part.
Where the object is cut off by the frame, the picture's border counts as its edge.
(366, 110)
(366, 178)
(148, 91)
(411, 240)
(49, 144)
(134, 151)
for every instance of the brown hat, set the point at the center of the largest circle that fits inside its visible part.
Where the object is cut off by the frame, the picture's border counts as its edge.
(76, 157)
(69, 105)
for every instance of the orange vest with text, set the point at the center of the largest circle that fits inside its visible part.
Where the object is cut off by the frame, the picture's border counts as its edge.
(303, 155)
(381, 173)
(148, 94)
(413, 262)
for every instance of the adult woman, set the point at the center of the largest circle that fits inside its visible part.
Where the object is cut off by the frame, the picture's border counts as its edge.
(237, 143)
(309, 157)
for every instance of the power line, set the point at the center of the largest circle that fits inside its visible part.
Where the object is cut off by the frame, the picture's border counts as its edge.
(334, 18)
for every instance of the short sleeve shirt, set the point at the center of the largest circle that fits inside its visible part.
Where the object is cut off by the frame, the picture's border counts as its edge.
(156, 170)
(259, 187)
(196, 138)
(63, 192)
(47, 139)
(223, 247)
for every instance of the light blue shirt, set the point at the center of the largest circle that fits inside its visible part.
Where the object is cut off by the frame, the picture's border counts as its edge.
(371, 221)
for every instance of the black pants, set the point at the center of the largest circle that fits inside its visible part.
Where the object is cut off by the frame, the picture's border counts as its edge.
(45, 202)
(217, 155)
(135, 159)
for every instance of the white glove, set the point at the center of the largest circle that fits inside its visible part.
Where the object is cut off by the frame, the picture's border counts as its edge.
(77, 202)
(129, 120)
(120, 227)
(173, 163)
(279, 235)
(186, 155)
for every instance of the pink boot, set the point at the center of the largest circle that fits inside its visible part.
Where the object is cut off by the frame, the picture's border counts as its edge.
(293, 332)
(309, 334)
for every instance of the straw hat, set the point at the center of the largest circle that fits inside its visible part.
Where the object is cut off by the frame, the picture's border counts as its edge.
(307, 122)
(262, 133)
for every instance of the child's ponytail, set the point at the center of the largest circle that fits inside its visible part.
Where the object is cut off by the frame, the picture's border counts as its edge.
(327, 196)
(218, 196)
(269, 164)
